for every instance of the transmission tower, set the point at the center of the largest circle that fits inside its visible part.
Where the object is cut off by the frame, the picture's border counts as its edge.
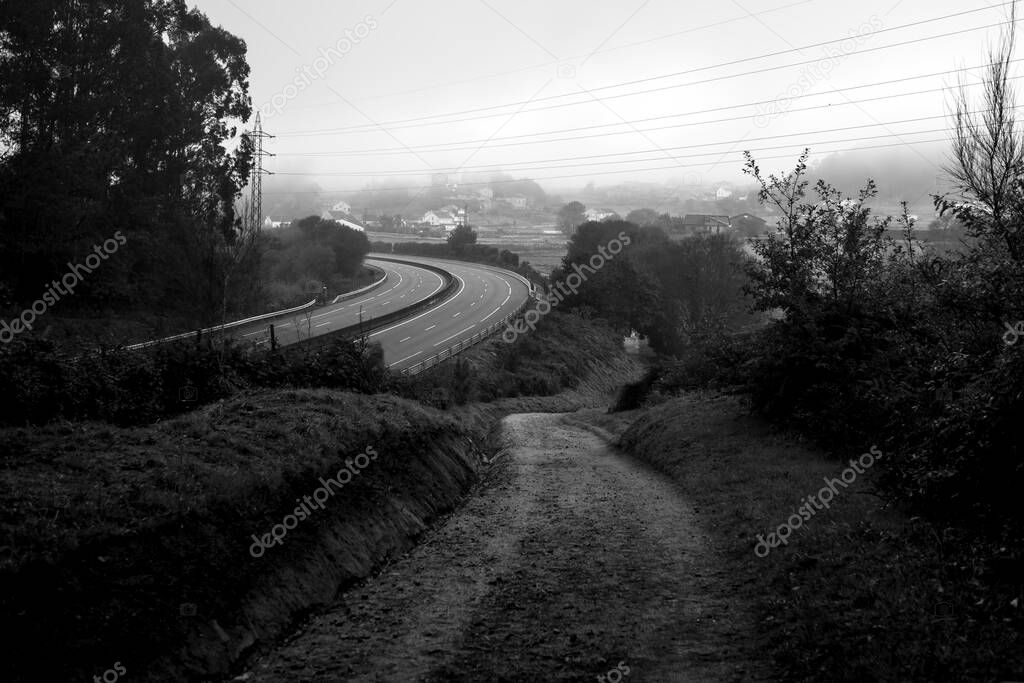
(256, 181)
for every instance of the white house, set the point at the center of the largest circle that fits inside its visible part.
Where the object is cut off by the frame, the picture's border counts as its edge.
(342, 207)
(598, 214)
(271, 224)
(343, 218)
(440, 218)
(723, 193)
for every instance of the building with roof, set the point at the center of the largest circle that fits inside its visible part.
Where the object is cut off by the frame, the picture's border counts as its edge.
(700, 222)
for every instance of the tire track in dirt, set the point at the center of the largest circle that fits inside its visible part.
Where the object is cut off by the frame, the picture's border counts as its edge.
(571, 560)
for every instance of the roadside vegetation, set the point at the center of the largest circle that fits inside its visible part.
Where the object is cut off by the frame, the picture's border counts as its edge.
(866, 590)
(462, 246)
(562, 352)
(861, 339)
(135, 387)
(128, 539)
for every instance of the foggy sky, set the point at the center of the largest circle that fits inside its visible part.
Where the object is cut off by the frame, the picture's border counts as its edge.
(370, 65)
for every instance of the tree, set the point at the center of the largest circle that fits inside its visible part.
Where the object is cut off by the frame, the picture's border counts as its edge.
(349, 246)
(570, 217)
(988, 158)
(644, 217)
(461, 237)
(824, 253)
(114, 116)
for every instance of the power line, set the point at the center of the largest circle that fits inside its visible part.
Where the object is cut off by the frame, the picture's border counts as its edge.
(364, 128)
(534, 166)
(614, 48)
(437, 148)
(444, 146)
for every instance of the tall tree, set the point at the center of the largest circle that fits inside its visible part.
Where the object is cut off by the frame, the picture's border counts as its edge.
(114, 114)
(571, 216)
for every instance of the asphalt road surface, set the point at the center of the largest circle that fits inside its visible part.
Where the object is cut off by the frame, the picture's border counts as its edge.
(484, 296)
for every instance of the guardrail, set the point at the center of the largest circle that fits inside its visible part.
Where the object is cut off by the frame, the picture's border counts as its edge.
(365, 326)
(255, 319)
(363, 290)
(451, 351)
(225, 326)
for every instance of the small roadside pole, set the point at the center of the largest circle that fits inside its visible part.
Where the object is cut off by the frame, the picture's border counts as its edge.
(273, 339)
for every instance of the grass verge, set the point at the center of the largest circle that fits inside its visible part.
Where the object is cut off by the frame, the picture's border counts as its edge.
(862, 590)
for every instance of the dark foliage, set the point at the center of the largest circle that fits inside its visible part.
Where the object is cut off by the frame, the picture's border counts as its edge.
(463, 250)
(41, 383)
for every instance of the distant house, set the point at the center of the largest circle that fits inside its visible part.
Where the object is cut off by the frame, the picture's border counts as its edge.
(485, 193)
(342, 207)
(516, 201)
(271, 224)
(440, 219)
(598, 214)
(344, 218)
(700, 222)
(723, 193)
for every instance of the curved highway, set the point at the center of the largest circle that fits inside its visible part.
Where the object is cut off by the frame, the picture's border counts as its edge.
(404, 285)
(485, 296)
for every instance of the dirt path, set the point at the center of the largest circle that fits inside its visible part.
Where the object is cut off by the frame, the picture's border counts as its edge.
(572, 560)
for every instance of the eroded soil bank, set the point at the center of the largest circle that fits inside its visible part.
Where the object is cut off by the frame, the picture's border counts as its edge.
(573, 560)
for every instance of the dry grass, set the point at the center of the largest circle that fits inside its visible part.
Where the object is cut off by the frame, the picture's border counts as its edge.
(862, 591)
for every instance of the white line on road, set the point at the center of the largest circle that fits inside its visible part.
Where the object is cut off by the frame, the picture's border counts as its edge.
(455, 335)
(462, 286)
(405, 359)
(400, 341)
(430, 328)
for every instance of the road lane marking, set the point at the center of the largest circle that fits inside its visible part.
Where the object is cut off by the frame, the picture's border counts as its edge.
(430, 328)
(405, 359)
(400, 341)
(455, 335)
(462, 286)
(457, 314)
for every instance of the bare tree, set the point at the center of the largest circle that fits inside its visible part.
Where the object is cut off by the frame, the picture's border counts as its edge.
(987, 162)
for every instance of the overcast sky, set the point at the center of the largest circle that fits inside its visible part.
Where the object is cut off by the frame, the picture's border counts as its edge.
(393, 74)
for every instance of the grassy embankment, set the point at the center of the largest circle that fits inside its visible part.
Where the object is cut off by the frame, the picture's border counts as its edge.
(133, 544)
(861, 591)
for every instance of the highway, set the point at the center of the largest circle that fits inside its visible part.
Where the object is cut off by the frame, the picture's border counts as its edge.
(405, 285)
(484, 296)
